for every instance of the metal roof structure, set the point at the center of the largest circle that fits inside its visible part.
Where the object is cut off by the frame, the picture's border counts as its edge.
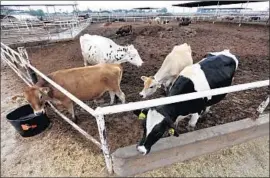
(239, 8)
(211, 3)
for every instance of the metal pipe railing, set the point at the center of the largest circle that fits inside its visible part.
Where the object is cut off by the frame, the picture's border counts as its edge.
(179, 98)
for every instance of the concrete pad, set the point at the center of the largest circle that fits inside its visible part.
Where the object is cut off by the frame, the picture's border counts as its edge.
(127, 161)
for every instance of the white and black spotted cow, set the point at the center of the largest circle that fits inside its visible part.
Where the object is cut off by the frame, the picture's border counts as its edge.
(98, 49)
(214, 71)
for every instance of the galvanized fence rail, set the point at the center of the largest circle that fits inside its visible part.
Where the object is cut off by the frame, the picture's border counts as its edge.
(24, 31)
(240, 18)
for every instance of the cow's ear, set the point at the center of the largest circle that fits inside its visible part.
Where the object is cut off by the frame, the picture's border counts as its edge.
(137, 112)
(173, 132)
(45, 90)
(144, 78)
(141, 113)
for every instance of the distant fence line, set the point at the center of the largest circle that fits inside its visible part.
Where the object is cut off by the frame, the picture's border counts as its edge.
(30, 31)
(15, 32)
(240, 18)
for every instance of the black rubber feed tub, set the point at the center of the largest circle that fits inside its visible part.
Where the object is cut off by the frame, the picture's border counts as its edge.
(26, 122)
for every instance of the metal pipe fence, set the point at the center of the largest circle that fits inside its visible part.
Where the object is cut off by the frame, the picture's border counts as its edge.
(24, 31)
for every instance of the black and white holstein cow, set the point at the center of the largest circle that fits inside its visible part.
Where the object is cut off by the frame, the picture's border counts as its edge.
(216, 70)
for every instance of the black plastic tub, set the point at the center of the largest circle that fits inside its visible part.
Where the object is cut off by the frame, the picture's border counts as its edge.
(26, 122)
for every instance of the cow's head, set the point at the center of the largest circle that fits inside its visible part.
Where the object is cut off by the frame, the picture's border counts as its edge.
(154, 126)
(36, 97)
(133, 56)
(150, 86)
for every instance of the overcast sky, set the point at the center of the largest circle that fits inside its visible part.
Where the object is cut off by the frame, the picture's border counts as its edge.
(109, 5)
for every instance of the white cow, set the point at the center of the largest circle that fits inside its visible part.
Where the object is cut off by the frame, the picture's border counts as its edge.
(98, 49)
(174, 63)
(157, 20)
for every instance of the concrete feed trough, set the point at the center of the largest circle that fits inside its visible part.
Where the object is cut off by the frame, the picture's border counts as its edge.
(127, 161)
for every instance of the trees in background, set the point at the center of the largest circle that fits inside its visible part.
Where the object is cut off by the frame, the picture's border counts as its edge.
(38, 12)
(163, 10)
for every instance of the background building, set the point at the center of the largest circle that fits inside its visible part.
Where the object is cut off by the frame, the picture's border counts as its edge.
(222, 10)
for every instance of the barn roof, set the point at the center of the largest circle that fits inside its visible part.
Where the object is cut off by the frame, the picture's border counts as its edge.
(211, 3)
(239, 8)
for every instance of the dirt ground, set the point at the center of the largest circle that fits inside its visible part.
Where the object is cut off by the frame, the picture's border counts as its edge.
(62, 151)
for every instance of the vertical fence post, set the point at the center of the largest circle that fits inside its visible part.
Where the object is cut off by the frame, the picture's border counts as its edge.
(12, 24)
(26, 25)
(103, 141)
(18, 27)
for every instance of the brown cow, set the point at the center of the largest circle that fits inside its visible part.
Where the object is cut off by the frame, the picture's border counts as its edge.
(86, 83)
(127, 29)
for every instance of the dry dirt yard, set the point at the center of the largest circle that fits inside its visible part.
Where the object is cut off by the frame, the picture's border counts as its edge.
(62, 151)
